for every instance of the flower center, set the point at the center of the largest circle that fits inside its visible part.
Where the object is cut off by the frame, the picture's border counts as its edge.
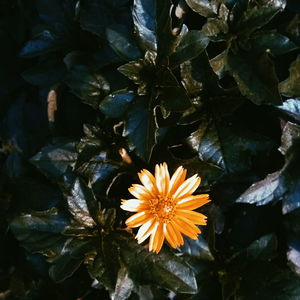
(163, 208)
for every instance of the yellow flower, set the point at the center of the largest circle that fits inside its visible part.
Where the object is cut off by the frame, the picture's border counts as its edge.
(164, 207)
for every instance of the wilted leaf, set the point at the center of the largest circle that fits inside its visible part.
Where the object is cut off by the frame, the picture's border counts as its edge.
(290, 132)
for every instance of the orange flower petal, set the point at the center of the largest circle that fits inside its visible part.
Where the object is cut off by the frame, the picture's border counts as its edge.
(188, 187)
(186, 227)
(133, 205)
(145, 230)
(177, 179)
(193, 216)
(137, 219)
(193, 202)
(140, 192)
(148, 180)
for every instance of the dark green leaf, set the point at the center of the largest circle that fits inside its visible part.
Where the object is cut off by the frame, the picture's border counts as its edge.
(90, 87)
(140, 128)
(95, 16)
(205, 8)
(40, 231)
(191, 45)
(267, 281)
(121, 40)
(196, 248)
(224, 145)
(105, 265)
(165, 269)
(144, 15)
(274, 42)
(54, 159)
(268, 190)
(263, 248)
(43, 43)
(255, 77)
(81, 201)
(46, 73)
(290, 87)
(70, 258)
(199, 77)
(115, 105)
(259, 13)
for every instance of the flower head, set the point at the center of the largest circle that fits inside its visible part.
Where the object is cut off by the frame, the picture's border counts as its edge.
(164, 207)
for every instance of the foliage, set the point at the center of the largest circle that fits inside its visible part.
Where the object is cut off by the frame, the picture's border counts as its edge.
(93, 91)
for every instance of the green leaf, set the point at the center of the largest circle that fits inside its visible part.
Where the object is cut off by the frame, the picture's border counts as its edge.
(144, 15)
(40, 231)
(255, 77)
(263, 248)
(140, 128)
(281, 185)
(46, 73)
(205, 8)
(165, 269)
(190, 46)
(263, 192)
(198, 77)
(95, 15)
(81, 201)
(196, 248)
(227, 146)
(290, 86)
(70, 258)
(122, 41)
(257, 14)
(267, 281)
(54, 160)
(90, 87)
(43, 43)
(274, 42)
(105, 265)
(115, 105)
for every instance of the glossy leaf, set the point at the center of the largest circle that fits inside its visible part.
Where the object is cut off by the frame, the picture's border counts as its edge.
(191, 45)
(255, 77)
(115, 105)
(139, 129)
(204, 7)
(54, 160)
